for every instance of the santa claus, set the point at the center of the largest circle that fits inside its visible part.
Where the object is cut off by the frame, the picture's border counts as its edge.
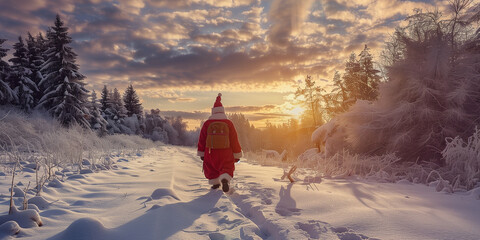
(218, 147)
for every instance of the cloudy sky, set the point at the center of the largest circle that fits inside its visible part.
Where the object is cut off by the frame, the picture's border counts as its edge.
(179, 54)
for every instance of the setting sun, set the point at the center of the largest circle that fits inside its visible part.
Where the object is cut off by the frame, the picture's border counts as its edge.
(297, 112)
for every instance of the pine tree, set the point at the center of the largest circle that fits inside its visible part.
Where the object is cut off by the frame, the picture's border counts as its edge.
(312, 95)
(155, 126)
(105, 100)
(336, 101)
(132, 103)
(64, 92)
(369, 78)
(20, 80)
(42, 45)
(6, 93)
(97, 122)
(361, 79)
(35, 60)
(350, 79)
(116, 106)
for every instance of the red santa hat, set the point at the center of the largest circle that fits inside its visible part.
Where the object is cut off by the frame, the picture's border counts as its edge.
(217, 106)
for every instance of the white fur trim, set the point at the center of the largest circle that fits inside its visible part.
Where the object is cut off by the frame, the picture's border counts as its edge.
(217, 116)
(217, 180)
(220, 109)
(238, 155)
(225, 176)
(214, 181)
(200, 154)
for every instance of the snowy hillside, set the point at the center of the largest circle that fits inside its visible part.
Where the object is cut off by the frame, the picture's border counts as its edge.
(162, 194)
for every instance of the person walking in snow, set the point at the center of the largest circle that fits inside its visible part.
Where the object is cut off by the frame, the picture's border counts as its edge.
(218, 147)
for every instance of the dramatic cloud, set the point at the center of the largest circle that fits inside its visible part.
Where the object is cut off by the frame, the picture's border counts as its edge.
(287, 17)
(180, 46)
(171, 44)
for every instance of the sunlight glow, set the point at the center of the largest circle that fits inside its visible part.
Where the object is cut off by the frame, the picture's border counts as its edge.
(297, 111)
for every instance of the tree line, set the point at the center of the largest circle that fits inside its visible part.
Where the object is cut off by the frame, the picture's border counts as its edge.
(360, 81)
(43, 75)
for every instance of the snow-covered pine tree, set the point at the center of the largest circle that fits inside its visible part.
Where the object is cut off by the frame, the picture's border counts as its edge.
(350, 78)
(361, 79)
(7, 95)
(97, 122)
(155, 126)
(336, 100)
(116, 106)
(105, 100)
(35, 59)
(132, 102)
(312, 95)
(65, 96)
(19, 79)
(369, 78)
(42, 45)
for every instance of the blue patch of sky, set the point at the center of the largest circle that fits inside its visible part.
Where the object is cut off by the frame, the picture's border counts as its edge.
(392, 21)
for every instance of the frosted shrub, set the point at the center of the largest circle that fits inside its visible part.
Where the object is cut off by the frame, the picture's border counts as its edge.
(120, 142)
(463, 160)
(43, 138)
(426, 99)
(262, 159)
(344, 164)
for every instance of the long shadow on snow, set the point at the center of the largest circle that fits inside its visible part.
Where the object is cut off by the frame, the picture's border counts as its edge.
(167, 220)
(359, 191)
(287, 206)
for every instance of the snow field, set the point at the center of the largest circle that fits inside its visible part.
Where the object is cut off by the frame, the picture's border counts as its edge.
(162, 194)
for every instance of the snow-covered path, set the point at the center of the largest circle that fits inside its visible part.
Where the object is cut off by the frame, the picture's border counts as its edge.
(162, 194)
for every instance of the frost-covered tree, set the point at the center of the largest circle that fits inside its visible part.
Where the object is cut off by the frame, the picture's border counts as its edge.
(97, 122)
(35, 60)
(429, 97)
(311, 95)
(180, 127)
(361, 78)
(116, 106)
(65, 96)
(7, 95)
(337, 100)
(351, 77)
(393, 50)
(132, 102)
(19, 79)
(113, 110)
(155, 126)
(105, 100)
(245, 131)
(369, 78)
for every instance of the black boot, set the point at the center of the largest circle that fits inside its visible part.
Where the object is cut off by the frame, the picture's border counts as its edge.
(225, 186)
(215, 186)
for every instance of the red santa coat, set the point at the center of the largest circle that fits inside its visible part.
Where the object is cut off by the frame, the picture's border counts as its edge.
(219, 161)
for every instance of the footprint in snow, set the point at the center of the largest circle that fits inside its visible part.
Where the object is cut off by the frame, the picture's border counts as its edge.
(318, 229)
(216, 236)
